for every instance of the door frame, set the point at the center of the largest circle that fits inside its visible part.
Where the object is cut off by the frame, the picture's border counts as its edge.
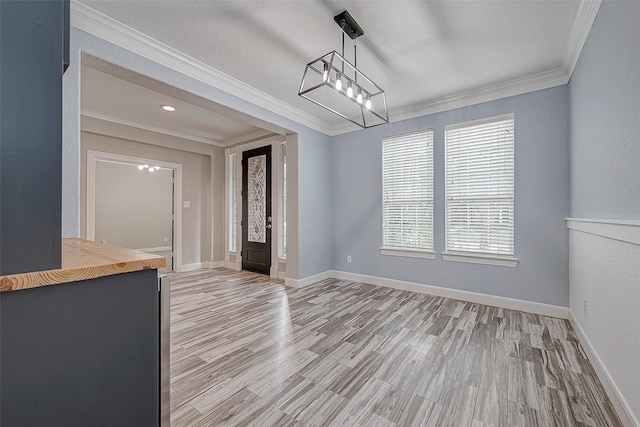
(90, 217)
(266, 151)
(275, 141)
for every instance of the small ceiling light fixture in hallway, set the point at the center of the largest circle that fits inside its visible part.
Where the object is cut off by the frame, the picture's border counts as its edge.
(323, 83)
(167, 107)
(150, 168)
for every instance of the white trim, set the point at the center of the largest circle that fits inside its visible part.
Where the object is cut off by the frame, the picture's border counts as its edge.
(510, 303)
(93, 22)
(90, 216)
(282, 275)
(493, 300)
(532, 83)
(202, 265)
(100, 25)
(156, 249)
(231, 265)
(585, 17)
(617, 399)
(273, 272)
(406, 252)
(306, 281)
(480, 259)
(136, 125)
(258, 134)
(622, 230)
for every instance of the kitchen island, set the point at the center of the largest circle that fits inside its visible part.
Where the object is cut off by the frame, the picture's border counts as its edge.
(79, 345)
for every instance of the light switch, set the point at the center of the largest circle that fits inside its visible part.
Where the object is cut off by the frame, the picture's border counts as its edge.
(186, 204)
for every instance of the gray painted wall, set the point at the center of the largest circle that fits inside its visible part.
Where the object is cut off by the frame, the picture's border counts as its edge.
(314, 212)
(314, 205)
(605, 117)
(541, 202)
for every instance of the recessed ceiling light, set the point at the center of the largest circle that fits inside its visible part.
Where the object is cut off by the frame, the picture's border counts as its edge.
(167, 107)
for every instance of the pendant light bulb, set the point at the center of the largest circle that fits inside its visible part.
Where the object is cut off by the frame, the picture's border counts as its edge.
(349, 91)
(368, 104)
(338, 82)
(325, 73)
(359, 97)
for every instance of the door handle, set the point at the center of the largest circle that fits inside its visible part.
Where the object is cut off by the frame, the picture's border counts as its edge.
(268, 226)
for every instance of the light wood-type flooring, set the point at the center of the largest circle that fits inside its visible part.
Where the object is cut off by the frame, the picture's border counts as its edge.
(248, 351)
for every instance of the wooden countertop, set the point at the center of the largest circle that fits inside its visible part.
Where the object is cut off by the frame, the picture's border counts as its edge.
(82, 260)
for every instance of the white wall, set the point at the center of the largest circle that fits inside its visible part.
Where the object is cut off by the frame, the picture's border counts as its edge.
(605, 183)
(133, 207)
(605, 272)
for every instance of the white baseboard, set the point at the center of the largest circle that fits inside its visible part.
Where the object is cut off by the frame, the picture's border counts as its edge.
(306, 281)
(200, 265)
(232, 265)
(510, 303)
(156, 249)
(617, 399)
(282, 275)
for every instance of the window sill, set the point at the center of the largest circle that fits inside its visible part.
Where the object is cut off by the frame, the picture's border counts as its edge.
(282, 260)
(500, 261)
(410, 253)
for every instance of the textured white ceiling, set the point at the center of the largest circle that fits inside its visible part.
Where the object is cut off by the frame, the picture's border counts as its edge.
(112, 93)
(417, 51)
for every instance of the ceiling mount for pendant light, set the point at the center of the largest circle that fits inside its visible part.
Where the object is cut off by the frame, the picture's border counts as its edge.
(368, 107)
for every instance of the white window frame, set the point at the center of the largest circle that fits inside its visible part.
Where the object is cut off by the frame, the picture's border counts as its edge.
(282, 201)
(490, 258)
(412, 252)
(232, 202)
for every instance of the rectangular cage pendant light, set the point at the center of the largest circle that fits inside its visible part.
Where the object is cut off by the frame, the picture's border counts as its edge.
(334, 83)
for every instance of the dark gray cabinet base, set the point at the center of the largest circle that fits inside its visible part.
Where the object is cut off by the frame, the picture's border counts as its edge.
(81, 354)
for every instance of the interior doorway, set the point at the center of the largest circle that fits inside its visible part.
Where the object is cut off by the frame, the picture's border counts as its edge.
(256, 210)
(132, 203)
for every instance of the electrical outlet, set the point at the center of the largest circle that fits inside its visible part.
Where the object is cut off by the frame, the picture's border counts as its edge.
(166, 239)
(584, 306)
(349, 258)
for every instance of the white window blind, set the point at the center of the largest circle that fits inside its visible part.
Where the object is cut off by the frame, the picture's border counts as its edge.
(407, 191)
(479, 187)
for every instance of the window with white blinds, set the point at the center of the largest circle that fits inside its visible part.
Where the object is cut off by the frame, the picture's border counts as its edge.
(407, 191)
(479, 187)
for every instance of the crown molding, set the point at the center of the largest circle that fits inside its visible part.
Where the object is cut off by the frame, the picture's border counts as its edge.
(93, 22)
(506, 89)
(587, 12)
(249, 137)
(102, 26)
(182, 135)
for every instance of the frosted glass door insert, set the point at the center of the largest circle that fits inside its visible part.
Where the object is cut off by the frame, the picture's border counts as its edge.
(257, 195)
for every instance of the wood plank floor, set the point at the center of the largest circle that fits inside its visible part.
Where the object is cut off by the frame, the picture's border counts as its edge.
(248, 351)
